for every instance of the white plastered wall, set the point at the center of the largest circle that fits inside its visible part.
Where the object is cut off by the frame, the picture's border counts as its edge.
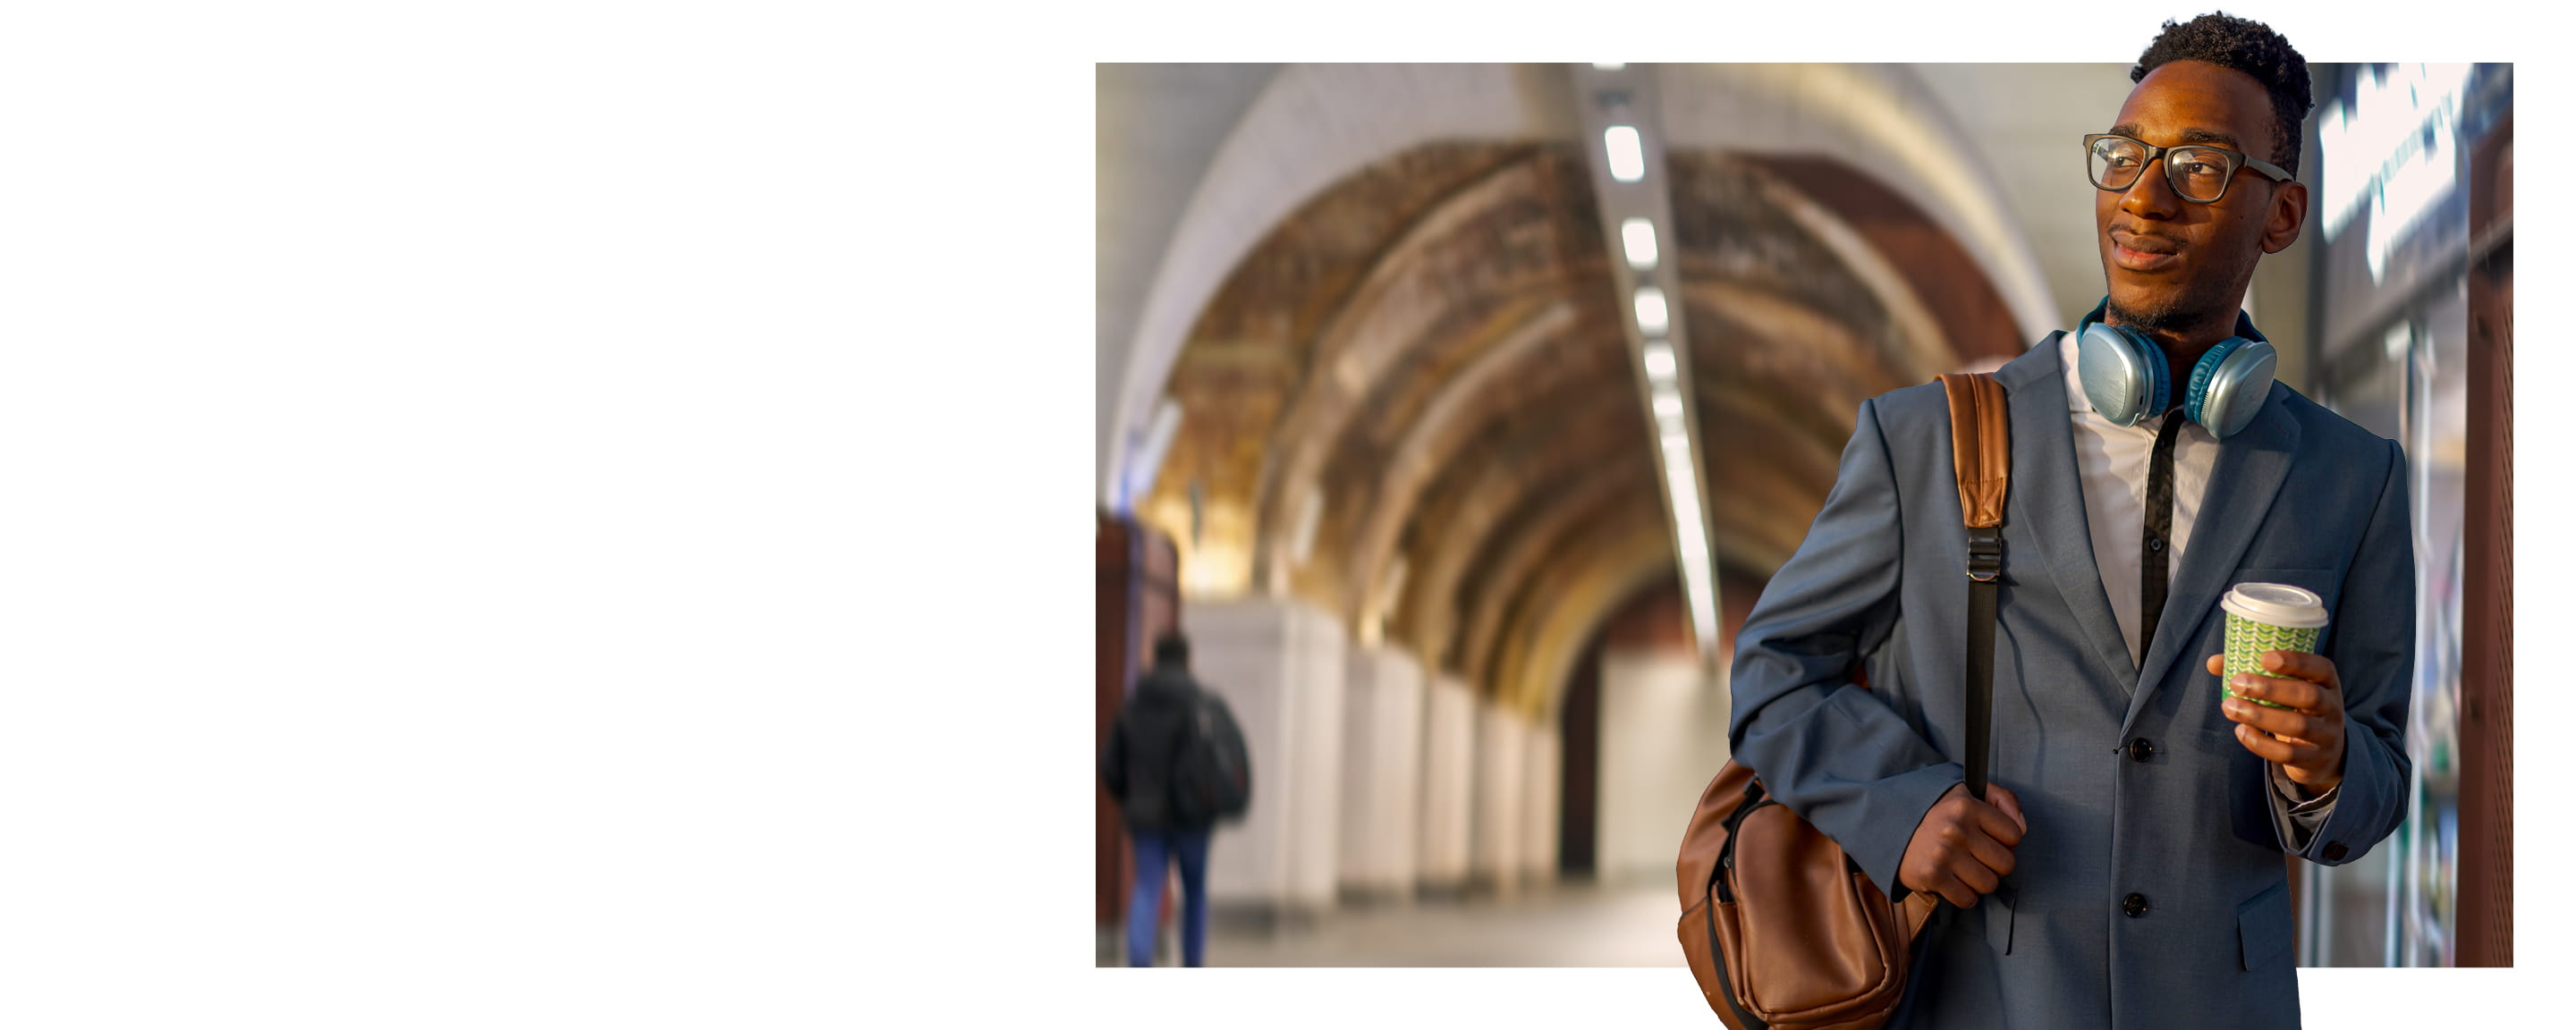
(1381, 799)
(1448, 769)
(1543, 775)
(1663, 736)
(1280, 667)
(1501, 782)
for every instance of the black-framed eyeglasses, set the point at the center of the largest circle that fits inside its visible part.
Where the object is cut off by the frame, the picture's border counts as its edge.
(2199, 172)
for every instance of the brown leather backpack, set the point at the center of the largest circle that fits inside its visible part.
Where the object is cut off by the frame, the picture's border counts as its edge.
(1782, 929)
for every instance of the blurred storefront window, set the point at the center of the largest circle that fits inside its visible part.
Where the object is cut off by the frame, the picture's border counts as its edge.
(2390, 352)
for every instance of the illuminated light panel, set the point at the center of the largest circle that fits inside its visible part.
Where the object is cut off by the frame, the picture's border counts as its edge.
(1637, 237)
(1668, 402)
(1627, 153)
(1659, 360)
(1598, 66)
(1652, 318)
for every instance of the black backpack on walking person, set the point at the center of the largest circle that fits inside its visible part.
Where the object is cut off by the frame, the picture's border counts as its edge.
(1212, 772)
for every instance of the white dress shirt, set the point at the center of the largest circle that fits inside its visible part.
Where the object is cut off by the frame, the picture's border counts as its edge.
(2111, 460)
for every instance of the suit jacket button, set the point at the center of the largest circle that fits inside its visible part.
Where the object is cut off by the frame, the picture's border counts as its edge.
(2139, 749)
(2135, 905)
(2334, 852)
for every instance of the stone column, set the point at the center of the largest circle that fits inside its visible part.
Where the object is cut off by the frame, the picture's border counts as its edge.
(1381, 774)
(1542, 792)
(1280, 667)
(1663, 736)
(1448, 772)
(1501, 739)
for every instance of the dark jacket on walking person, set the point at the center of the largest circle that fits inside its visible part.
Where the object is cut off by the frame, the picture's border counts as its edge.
(1136, 766)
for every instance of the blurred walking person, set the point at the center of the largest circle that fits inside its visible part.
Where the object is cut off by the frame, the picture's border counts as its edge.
(1175, 764)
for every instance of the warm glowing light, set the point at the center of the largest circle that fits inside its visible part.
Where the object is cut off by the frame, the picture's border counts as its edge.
(1301, 544)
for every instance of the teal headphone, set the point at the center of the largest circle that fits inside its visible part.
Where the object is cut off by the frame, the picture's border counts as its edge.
(2124, 375)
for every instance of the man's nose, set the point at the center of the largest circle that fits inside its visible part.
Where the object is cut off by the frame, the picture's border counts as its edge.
(2151, 196)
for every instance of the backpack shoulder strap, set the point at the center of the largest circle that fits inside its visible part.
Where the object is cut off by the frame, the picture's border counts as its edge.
(1981, 452)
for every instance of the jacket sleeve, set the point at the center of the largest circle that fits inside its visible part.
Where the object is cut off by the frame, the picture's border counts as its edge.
(1830, 750)
(1113, 761)
(2373, 649)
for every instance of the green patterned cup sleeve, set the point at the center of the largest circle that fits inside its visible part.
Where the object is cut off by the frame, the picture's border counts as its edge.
(2248, 639)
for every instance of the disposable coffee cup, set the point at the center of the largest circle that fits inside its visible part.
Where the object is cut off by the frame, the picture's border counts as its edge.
(2267, 617)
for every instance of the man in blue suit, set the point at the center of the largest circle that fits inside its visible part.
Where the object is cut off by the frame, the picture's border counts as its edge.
(2126, 868)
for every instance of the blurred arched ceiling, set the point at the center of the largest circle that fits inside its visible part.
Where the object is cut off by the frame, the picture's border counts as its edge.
(1422, 365)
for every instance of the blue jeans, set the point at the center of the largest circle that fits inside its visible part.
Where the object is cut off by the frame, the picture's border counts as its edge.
(1155, 850)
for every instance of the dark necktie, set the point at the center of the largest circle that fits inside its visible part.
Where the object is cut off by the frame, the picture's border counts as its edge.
(2157, 542)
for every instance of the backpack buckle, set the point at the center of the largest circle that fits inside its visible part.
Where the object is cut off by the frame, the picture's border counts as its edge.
(1985, 553)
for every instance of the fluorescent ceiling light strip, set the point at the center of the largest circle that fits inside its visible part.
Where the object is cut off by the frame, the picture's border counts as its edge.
(1659, 360)
(1652, 319)
(1668, 402)
(1637, 237)
(1626, 152)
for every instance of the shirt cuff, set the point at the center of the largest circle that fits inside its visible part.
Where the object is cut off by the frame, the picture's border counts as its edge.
(2298, 820)
(2289, 792)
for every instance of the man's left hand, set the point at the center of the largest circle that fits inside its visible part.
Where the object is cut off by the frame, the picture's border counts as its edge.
(2305, 738)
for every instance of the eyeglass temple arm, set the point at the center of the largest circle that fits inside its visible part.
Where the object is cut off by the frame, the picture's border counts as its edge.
(2278, 173)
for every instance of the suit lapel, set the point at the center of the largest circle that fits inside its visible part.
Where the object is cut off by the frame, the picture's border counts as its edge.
(2044, 458)
(2250, 469)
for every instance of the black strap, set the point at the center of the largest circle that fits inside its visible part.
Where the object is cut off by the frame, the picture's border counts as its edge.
(1985, 567)
(1981, 680)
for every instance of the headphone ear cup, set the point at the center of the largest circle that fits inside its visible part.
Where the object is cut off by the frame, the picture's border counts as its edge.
(2203, 372)
(2228, 388)
(2123, 374)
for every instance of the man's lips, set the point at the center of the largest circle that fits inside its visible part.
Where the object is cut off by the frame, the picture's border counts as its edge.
(2141, 253)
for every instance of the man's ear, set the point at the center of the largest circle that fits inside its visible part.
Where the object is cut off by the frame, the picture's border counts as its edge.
(2288, 212)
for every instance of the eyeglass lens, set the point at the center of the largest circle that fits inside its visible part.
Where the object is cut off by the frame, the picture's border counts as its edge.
(2197, 173)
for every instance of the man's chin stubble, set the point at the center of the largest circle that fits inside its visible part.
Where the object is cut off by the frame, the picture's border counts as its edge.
(2167, 314)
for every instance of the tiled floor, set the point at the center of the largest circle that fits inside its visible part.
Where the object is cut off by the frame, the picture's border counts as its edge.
(1557, 924)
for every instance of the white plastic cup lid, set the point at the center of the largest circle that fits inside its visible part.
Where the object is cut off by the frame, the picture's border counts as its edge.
(2277, 604)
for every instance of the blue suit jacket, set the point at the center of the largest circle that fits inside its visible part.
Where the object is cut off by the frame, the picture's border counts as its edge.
(2299, 496)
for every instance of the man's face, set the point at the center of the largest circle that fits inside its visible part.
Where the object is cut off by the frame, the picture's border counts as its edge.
(2173, 264)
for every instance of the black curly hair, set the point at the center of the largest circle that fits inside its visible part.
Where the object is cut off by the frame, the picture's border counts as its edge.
(2247, 46)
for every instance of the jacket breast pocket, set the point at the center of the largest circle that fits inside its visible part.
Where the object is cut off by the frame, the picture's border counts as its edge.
(2263, 928)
